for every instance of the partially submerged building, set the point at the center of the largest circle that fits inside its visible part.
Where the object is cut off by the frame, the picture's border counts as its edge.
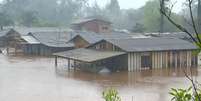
(47, 43)
(133, 54)
(36, 41)
(84, 39)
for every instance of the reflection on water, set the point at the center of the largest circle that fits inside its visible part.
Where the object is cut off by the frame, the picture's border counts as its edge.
(35, 79)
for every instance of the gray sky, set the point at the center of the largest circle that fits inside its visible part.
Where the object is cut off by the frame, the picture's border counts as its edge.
(126, 4)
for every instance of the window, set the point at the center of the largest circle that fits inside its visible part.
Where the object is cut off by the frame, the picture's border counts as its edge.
(105, 28)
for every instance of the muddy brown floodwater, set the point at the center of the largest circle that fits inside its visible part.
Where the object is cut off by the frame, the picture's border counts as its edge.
(35, 79)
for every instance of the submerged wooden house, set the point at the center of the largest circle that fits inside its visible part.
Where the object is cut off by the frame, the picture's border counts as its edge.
(47, 43)
(84, 39)
(134, 54)
(36, 41)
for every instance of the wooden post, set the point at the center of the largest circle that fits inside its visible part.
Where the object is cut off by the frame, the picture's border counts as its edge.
(15, 49)
(68, 64)
(7, 50)
(56, 61)
(74, 64)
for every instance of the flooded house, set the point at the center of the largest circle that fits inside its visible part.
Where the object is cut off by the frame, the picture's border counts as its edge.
(92, 25)
(133, 54)
(47, 43)
(83, 39)
(22, 40)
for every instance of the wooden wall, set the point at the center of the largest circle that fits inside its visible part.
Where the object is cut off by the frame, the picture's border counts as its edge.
(165, 59)
(42, 50)
(80, 42)
(96, 26)
(134, 61)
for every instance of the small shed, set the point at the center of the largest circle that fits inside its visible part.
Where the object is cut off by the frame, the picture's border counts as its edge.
(13, 40)
(92, 60)
(47, 43)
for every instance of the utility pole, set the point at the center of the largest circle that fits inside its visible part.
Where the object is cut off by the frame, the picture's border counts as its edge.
(162, 3)
(199, 16)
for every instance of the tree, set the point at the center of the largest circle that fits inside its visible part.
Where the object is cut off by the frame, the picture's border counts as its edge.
(59, 12)
(193, 35)
(138, 28)
(152, 18)
(199, 16)
(113, 7)
(29, 18)
(95, 10)
(5, 20)
(162, 21)
(113, 12)
(162, 17)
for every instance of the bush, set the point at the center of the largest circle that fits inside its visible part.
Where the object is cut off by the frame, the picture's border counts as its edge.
(111, 95)
(185, 94)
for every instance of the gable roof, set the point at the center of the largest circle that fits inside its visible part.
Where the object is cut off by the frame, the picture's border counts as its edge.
(151, 44)
(88, 55)
(82, 21)
(27, 30)
(30, 39)
(180, 35)
(54, 39)
(172, 34)
(3, 32)
(92, 37)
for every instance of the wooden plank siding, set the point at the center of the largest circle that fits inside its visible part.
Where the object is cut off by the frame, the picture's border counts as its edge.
(80, 42)
(164, 59)
(134, 61)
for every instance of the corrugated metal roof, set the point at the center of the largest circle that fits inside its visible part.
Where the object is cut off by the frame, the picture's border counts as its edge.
(152, 44)
(90, 37)
(180, 35)
(54, 39)
(88, 55)
(3, 32)
(27, 30)
(93, 37)
(81, 21)
(30, 39)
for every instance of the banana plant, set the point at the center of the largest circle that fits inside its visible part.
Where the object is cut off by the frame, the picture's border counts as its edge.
(181, 94)
(111, 95)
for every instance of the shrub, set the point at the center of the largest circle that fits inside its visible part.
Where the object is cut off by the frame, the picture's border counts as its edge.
(111, 95)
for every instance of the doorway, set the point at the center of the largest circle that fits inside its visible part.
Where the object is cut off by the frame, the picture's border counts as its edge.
(146, 61)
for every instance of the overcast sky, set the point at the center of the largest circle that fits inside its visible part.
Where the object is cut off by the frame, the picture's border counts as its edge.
(126, 4)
